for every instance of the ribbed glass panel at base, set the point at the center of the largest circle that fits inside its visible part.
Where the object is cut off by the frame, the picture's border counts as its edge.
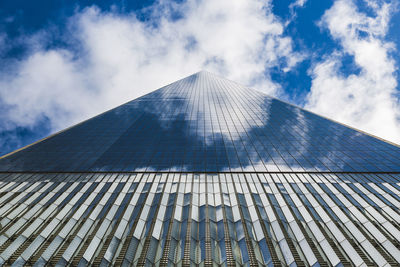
(229, 219)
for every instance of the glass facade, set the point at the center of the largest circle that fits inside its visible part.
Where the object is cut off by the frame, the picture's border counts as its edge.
(202, 172)
(206, 123)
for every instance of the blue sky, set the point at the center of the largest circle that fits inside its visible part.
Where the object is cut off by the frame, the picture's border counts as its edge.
(65, 61)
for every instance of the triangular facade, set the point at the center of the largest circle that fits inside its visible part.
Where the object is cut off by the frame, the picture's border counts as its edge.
(207, 123)
(202, 172)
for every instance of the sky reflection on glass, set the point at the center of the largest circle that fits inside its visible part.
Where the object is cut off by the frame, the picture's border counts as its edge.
(207, 123)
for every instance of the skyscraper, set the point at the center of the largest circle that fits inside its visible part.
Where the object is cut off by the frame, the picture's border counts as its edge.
(202, 172)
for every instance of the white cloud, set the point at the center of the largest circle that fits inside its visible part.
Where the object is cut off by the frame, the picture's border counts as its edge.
(298, 3)
(116, 58)
(365, 100)
(293, 9)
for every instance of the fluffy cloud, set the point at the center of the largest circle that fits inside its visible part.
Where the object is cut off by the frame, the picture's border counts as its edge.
(365, 99)
(113, 58)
